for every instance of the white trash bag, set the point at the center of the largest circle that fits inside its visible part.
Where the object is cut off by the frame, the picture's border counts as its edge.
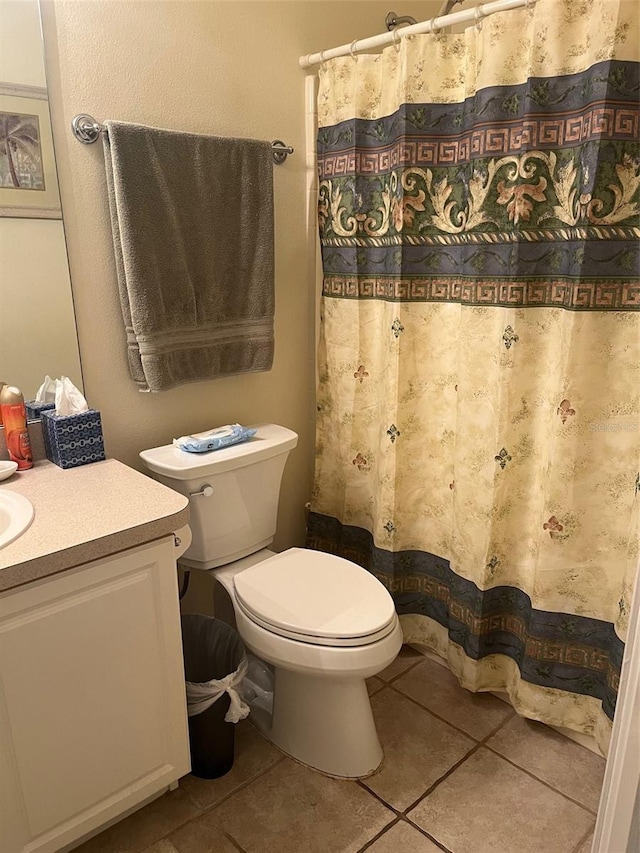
(257, 688)
(201, 696)
(212, 648)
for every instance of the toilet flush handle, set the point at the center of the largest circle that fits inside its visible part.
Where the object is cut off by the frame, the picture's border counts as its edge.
(206, 491)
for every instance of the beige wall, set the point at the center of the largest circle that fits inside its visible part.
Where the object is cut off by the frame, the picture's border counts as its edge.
(227, 68)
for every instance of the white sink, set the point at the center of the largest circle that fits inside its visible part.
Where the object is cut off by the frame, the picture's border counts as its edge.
(16, 514)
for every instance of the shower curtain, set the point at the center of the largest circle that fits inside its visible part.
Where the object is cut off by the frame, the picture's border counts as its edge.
(478, 432)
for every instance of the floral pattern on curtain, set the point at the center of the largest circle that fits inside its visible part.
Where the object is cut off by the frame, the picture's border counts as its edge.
(478, 434)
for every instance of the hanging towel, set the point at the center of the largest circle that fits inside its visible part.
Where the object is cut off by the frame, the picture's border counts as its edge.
(192, 221)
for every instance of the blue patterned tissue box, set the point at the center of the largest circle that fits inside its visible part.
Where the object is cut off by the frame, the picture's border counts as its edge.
(72, 440)
(34, 410)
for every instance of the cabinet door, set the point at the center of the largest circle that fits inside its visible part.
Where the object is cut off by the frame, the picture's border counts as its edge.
(92, 707)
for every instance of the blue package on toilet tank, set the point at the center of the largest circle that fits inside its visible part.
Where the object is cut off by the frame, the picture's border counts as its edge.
(214, 439)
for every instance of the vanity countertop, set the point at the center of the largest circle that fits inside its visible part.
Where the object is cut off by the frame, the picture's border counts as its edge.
(83, 514)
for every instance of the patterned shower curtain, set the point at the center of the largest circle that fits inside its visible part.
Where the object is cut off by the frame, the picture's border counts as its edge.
(478, 436)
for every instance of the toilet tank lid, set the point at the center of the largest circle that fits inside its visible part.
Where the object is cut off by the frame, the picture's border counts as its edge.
(269, 440)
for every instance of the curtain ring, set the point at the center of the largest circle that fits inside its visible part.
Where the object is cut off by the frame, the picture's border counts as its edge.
(322, 59)
(396, 40)
(352, 50)
(435, 27)
(479, 16)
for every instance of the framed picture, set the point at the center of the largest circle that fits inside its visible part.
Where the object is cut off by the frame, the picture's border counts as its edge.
(28, 178)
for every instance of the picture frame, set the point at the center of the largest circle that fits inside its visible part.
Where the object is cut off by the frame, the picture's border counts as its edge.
(28, 177)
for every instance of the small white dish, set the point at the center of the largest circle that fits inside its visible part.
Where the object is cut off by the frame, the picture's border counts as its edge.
(7, 469)
(16, 514)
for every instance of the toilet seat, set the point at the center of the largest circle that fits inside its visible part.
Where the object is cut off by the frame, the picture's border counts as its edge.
(314, 640)
(316, 598)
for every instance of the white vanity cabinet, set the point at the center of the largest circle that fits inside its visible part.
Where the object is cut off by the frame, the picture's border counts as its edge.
(92, 706)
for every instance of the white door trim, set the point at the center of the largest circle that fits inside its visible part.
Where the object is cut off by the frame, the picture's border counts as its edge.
(618, 814)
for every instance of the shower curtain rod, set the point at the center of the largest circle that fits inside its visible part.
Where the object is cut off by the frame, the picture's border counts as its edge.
(432, 26)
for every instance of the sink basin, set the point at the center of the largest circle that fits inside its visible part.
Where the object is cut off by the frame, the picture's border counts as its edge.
(16, 514)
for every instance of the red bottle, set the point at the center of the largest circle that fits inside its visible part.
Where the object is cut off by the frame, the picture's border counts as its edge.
(14, 418)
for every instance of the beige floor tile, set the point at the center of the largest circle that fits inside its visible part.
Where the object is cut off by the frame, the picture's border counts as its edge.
(200, 836)
(292, 809)
(253, 754)
(435, 687)
(586, 846)
(374, 684)
(405, 659)
(144, 827)
(403, 838)
(489, 806)
(572, 769)
(164, 846)
(418, 749)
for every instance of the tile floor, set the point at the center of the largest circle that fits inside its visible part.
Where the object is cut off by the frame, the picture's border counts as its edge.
(462, 773)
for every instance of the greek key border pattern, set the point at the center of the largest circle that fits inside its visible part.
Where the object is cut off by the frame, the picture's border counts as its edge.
(611, 122)
(537, 648)
(581, 295)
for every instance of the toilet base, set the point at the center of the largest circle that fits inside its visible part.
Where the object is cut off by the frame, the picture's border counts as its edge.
(322, 714)
(325, 723)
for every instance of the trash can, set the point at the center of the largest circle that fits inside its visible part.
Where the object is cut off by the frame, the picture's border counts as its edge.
(215, 663)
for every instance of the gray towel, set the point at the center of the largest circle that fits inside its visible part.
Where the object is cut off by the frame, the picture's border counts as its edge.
(192, 220)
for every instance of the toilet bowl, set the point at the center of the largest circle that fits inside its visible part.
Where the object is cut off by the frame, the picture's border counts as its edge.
(321, 656)
(323, 623)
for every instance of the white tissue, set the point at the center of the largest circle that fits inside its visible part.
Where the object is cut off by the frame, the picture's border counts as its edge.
(69, 401)
(47, 391)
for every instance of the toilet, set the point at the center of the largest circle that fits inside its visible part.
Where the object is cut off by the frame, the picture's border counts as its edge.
(324, 624)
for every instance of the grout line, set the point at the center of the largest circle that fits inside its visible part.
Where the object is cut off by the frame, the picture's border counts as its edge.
(497, 728)
(542, 781)
(476, 746)
(404, 672)
(400, 817)
(576, 849)
(431, 838)
(444, 776)
(202, 810)
(232, 840)
(379, 798)
(433, 713)
(379, 835)
(245, 784)
(165, 837)
(452, 769)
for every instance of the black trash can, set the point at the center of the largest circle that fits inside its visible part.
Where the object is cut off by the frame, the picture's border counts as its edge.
(212, 650)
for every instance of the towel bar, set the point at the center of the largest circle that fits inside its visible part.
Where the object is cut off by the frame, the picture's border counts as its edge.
(87, 130)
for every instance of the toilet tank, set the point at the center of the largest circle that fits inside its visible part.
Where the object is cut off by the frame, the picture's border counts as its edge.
(233, 493)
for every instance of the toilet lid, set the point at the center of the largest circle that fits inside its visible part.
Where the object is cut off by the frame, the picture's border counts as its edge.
(315, 596)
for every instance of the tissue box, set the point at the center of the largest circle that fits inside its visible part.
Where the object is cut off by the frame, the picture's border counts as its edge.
(72, 440)
(34, 409)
